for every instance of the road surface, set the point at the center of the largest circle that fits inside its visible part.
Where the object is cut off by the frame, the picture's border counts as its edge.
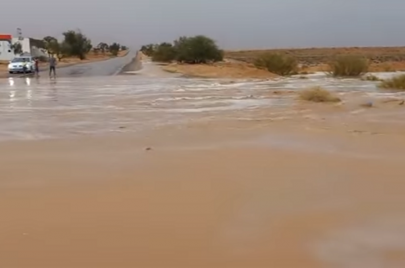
(100, 68)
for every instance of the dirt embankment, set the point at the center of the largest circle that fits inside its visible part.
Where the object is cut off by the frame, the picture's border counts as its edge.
(227, 69)
(134, 65)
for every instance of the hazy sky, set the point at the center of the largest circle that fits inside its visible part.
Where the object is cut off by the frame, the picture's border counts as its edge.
(235, 24)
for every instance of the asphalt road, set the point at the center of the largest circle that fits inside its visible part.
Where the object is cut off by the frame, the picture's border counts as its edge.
(101, 68)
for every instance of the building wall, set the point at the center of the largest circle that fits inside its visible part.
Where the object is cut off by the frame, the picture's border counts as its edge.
(6, 53)
(25, 43)
(5, 47)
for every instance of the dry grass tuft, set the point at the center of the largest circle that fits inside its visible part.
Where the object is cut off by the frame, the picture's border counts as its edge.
(318, 94)
(349, 66)
(395, 83)
(277, 63)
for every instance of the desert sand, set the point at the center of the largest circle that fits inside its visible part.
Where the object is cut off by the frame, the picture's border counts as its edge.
(317, 186)
(239, 64)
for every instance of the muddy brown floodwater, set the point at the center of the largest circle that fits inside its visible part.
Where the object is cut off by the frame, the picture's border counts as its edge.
(155, 170)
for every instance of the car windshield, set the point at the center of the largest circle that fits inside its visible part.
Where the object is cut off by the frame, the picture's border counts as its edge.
(20, 59)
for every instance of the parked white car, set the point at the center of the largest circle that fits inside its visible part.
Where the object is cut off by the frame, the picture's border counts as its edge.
(17, 65)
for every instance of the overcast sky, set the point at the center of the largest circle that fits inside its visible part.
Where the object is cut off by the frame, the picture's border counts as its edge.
(234, 24)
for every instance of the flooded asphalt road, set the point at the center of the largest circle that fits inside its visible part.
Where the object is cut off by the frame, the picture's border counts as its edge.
(100, 68)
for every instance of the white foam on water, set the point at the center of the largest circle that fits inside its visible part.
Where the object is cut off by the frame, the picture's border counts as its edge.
(42, 106)
(364, 245)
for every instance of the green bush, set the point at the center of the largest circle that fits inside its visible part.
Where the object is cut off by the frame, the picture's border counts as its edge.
(349, 66)
(148, 50)
(114, 49)
(395, 83)
(197, 49)
(165, 52)
(277, 63)
(76, 44)
(192, 50)
(17, 48)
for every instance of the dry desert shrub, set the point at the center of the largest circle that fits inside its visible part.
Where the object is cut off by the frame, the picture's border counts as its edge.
(318, 94)
(348, 66)
(277, 63)
(395, 83)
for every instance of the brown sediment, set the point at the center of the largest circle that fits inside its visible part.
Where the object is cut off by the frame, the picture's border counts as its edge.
(236, 70)
(304, 185)
(227, 193)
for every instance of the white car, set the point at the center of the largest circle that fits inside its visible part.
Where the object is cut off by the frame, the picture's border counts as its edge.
(17, 65)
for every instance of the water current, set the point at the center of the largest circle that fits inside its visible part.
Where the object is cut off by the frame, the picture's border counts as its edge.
(37, 108)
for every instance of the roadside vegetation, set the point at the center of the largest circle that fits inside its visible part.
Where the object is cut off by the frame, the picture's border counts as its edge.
(74, 44)
(338, 62)
(17, 48)
(396, 83)
(192, 50)
(349, 66)
(277, 63)
(318, 94)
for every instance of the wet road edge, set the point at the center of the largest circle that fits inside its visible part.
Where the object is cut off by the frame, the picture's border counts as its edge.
(134, 65)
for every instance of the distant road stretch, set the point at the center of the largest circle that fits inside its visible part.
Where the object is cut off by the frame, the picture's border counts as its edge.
(101, 68)
(108, 67)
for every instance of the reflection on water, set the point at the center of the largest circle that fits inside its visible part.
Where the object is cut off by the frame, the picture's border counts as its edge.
(39, 107)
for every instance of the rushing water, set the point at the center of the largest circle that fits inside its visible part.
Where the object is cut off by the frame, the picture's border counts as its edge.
(42, 108)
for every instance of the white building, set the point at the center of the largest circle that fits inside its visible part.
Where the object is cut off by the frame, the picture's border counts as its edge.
(6, 51)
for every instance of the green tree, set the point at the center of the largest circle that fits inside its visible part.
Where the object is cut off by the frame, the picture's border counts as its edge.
(165, 52)
(124, 48)
(114, 49)
(103, 47)
(197, 49)
(149, 49)
(54, 47)
(17, 48)
(76, 44)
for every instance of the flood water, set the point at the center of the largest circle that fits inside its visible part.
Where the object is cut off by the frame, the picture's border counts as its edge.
(33, 108)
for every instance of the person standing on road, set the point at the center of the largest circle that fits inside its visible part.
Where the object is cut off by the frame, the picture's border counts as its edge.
(37, 67)
(24, 65)
(52, 66)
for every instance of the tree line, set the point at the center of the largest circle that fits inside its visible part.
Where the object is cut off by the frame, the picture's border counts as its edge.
(192, 50)
(73, 44)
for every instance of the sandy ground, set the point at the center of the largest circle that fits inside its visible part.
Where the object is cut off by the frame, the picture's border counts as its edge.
(322, 188)
(230, 69)
(238, 69)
